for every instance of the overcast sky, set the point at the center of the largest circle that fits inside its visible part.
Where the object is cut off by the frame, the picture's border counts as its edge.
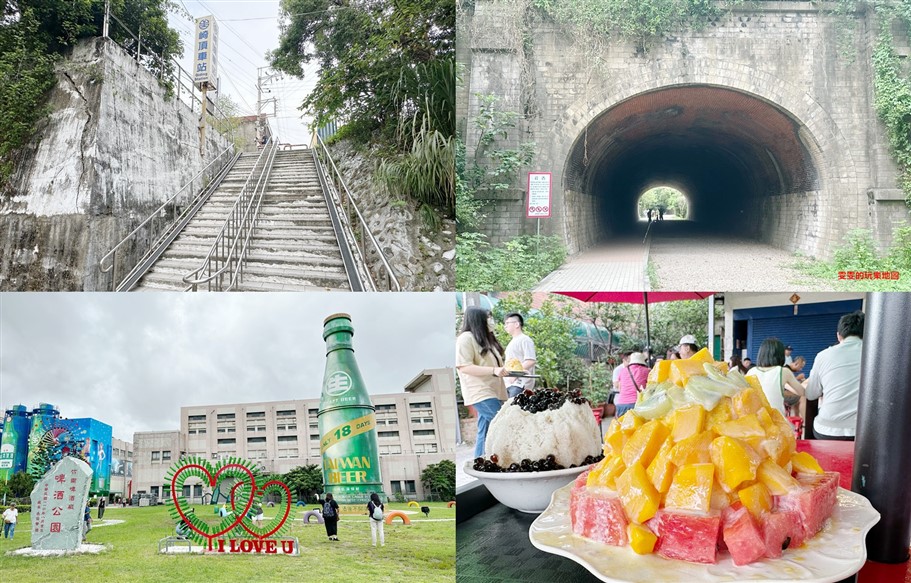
(132, 360)
(247, 30)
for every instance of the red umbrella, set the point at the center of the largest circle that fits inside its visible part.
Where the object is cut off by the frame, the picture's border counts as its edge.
(645, 298)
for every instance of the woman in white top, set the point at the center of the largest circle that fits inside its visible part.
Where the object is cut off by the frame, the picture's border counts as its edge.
(776, 379)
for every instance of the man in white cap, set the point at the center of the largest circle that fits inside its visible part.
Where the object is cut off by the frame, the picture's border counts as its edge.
(688, 346)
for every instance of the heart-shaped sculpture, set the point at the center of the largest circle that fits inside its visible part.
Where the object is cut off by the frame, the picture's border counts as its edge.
(278, 521)
(199, 467)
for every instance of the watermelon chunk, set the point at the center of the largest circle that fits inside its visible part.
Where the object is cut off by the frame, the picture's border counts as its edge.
(582, 478)
(813, 502)
(742, 536)
(684, 536)
(598, 514)
(780, 530)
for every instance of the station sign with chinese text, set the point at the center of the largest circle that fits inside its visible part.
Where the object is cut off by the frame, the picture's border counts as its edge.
(205, 66)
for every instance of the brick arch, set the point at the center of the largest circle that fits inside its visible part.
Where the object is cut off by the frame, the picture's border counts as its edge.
(827, 147)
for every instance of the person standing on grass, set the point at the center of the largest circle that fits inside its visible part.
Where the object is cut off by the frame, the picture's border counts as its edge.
(376, 511)
(101, 505)
(87, 519)
(10, 516)
(330, 517)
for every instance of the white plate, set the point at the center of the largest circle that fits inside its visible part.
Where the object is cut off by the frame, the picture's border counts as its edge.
(837, 552)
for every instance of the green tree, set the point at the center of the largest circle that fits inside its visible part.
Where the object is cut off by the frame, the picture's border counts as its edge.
(439, 479)
(305, 481)
(368, 53)
(21, 484)
(551, 328)
(33, 35)
(612, 316)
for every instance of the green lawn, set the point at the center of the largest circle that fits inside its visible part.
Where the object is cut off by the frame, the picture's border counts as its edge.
(423, 551)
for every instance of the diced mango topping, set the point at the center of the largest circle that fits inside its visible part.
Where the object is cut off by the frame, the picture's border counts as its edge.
(641, 539)
(638, 496)
(693, 450)
(644, 444)
(661, 470)
(734, 461)
(660, 373)
(698, 445)
(682, 370)
(756, 498)
(630, 422)
(605, 473)
(742, 428)
(749, 401)
(687, 422)
(775, 478)
(691, 488)
(722, 412)
(804, 463)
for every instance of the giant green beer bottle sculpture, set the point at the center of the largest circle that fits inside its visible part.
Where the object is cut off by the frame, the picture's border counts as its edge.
(347, 422)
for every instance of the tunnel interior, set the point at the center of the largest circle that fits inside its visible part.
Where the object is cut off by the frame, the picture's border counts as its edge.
(725, 149)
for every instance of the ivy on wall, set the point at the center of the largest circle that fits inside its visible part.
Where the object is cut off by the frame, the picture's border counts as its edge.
(641, 21)
(892, 93)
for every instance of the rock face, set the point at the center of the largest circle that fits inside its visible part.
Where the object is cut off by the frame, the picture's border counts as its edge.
(114, 147)
(423, 258)
(58, 505)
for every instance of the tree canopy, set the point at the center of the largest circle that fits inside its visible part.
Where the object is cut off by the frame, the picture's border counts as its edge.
(439, 480)
(374, 58)
(305, 481)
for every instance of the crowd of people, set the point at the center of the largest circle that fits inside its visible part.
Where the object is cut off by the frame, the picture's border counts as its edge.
(834, 380)
(487, 382)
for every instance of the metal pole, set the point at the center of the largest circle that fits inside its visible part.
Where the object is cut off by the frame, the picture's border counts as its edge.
(648, 332)
(711, 336)
(106, 27)
(202, 121)
(139, 46)
(882, 452)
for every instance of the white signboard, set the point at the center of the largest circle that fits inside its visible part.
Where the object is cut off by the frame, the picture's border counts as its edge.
(205, 69)
(538, 195)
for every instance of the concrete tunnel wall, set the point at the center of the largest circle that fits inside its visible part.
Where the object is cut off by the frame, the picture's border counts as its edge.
(725, 149)
(761, 121)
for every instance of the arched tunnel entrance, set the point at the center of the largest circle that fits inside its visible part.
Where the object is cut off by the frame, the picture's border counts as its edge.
(726, 149)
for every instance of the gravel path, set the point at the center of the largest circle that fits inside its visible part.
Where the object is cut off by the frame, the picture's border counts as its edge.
(707, 263)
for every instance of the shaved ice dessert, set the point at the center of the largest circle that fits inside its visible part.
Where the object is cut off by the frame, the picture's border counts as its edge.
(703, 465)
(540, 431)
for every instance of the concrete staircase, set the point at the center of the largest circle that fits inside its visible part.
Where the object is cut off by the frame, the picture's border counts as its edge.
(293, 247)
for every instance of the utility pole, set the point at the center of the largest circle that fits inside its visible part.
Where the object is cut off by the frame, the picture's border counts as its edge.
(261, 79)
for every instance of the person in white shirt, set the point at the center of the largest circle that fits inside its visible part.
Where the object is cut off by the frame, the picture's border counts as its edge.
(688, 346)
(836, 378)
(10, 515)
(521, 348)
(788, 360)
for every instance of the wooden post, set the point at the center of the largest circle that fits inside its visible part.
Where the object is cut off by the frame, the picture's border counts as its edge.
(202, 122)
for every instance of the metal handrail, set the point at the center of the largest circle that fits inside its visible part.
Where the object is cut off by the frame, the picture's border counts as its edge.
(224, 253)
(342, 199)
(226, 157)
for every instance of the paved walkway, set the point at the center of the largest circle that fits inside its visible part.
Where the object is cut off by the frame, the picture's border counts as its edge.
(616, 266)
(686, 259)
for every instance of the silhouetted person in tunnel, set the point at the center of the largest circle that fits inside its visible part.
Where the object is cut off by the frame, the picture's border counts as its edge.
(649, 214)
(660, 213)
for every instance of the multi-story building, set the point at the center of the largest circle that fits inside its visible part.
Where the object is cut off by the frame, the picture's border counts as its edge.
(121, 468)
(415, 428)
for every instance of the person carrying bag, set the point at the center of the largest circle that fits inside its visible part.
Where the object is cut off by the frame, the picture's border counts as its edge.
(376, 510)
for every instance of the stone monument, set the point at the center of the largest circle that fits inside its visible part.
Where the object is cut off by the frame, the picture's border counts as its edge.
(58, 505)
